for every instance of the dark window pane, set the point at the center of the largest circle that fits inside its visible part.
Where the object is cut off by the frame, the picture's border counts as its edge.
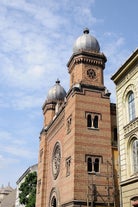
(89, 121)
(89, 165)
(96, 165)
(95, 122)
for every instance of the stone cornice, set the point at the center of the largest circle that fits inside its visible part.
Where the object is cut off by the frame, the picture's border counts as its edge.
(131, 61)
(92, 58)
(129, 181)
(88, 60)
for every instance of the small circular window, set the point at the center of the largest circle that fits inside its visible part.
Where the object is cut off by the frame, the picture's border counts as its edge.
(91, 73)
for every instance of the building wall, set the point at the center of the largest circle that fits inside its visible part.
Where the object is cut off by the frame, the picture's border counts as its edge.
(77, 141)
(76, 156)
(20, 181)
(126, 80)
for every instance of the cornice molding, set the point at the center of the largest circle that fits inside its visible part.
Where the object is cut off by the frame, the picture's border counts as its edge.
(130, 62)
(92, 58)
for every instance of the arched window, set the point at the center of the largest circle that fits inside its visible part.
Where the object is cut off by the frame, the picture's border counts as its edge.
(89, 120)
(93, 164)
(95, 122)
(134, 201)
(53, 202)
(131, 106)
(89, 164)
(135, 156)
(96, 165)
(92, 119)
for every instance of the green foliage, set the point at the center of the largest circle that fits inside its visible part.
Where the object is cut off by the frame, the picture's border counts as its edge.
(27, 190)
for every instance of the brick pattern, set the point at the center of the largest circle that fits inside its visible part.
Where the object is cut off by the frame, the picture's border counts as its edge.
(76, 143)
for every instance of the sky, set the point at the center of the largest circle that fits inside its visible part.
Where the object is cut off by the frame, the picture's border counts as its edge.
(36, 42)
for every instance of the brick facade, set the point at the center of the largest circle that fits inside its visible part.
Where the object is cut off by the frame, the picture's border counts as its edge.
(75, 156)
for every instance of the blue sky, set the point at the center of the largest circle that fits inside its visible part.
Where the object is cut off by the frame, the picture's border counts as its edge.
(36, 41)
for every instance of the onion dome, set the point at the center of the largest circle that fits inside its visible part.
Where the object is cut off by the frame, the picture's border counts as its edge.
(56, 93)
(86, 42)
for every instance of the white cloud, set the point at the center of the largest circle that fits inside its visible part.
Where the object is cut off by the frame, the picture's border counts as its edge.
(28, 48)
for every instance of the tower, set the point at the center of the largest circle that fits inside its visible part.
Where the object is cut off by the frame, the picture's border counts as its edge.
(75, 155)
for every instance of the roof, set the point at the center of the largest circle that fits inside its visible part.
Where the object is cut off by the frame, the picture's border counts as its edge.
(86, 42)
(30, 169)
(132, 60)
(9, 200)
(56, 93)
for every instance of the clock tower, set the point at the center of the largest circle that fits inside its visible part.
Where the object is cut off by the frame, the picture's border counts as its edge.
(86, 65)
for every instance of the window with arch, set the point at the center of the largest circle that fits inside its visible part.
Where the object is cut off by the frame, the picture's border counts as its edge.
(96, 165)
(131, 106)
(89, 120)
(69, 122)
(53, 199)
(68, 163)
(92, 120)
(95, 122)
(134, 201)
(53, 202)
(135, 156)
(93, 164)
(89, 164)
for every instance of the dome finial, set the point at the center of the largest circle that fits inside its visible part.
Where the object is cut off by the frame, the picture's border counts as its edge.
(58, 81)
(86, 31)
(56, 93)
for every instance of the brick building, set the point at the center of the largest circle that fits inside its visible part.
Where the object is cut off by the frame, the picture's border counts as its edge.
(78, 141)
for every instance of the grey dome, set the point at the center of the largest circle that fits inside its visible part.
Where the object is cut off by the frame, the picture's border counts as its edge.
(56, 93)
(86, 42)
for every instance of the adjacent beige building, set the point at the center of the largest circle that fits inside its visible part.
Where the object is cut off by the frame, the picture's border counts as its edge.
(126, 80)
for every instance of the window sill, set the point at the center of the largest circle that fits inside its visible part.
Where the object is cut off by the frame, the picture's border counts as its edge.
(94, 173)
(92, 128)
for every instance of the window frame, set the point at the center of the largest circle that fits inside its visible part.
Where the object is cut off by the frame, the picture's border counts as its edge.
(131, 158)
(68, 165)
(131, 105)
(92, 165)
(134, 147)
(129, 88)
(92, 120)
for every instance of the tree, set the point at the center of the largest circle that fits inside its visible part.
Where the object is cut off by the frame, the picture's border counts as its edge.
(27, 190)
